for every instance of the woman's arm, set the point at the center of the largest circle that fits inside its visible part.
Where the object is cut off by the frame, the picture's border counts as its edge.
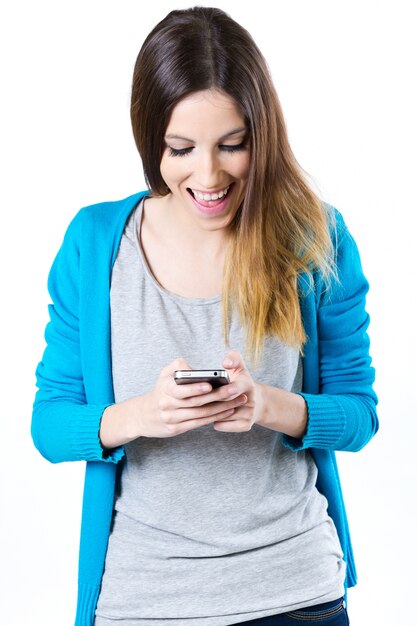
(64, 427)
(342, 416)
(119, 424)
(282, 410)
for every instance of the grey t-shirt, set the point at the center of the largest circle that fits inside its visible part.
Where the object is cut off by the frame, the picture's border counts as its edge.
(209, 528)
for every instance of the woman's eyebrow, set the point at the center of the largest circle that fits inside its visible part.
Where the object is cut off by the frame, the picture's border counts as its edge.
(232, 132)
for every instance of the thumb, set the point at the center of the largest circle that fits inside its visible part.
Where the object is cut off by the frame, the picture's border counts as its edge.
(234, 361)
(177, 364)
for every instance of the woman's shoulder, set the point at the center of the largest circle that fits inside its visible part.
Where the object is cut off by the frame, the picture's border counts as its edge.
(336, 222)
(102, 218)
(108, 212)
(345, 259)
(348, 271)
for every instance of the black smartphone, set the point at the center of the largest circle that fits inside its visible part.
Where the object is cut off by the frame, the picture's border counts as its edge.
(216, 378)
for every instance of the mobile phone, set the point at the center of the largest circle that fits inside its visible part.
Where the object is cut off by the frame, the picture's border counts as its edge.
(216, 378)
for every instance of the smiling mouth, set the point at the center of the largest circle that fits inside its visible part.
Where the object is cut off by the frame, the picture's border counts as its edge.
(190, 191)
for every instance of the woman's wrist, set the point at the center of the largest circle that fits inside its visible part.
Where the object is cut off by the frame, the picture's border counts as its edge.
(119, 423)
(283, 411)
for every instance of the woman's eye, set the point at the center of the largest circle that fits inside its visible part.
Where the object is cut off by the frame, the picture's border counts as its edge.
(185, 151)
(240, 146)
(182, 152)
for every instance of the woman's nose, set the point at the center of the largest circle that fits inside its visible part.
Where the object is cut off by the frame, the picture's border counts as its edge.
(208, 171)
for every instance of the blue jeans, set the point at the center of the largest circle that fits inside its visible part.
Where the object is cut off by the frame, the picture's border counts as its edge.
(328, 614)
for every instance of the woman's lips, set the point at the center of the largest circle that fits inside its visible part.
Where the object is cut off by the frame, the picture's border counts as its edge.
(211, 206)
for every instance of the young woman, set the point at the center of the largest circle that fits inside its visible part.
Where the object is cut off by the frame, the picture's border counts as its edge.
(208, 505)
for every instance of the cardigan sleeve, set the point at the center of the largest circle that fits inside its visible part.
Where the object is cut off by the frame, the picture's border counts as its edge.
(64, 426)
(342, 416)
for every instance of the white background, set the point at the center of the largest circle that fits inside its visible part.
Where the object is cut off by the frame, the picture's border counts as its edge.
(345, 75)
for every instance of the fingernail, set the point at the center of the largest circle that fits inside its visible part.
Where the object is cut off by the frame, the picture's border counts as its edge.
(228, 362)
(205, 387)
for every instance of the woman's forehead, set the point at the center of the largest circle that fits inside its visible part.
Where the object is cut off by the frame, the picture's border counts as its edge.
(212, 107)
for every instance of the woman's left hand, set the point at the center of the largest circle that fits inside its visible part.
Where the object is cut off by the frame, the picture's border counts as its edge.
(241, 383)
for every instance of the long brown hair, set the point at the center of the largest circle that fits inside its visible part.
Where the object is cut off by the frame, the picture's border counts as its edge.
(282, 227)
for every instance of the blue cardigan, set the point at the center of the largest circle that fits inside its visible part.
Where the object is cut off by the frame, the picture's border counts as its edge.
(74, 377)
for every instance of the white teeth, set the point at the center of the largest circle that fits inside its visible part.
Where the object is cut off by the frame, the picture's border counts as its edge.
(210, 196)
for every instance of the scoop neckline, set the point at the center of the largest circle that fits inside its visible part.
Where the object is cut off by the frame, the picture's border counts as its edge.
(137, 226)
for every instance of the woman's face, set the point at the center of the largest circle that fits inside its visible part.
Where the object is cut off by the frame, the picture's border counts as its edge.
(206, 152)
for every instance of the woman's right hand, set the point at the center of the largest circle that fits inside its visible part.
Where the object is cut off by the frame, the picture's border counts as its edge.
(167, 410)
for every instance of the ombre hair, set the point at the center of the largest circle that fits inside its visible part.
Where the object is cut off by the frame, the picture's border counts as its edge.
(282, 228)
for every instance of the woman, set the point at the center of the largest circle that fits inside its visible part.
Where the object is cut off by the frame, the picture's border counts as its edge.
(207, 505)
